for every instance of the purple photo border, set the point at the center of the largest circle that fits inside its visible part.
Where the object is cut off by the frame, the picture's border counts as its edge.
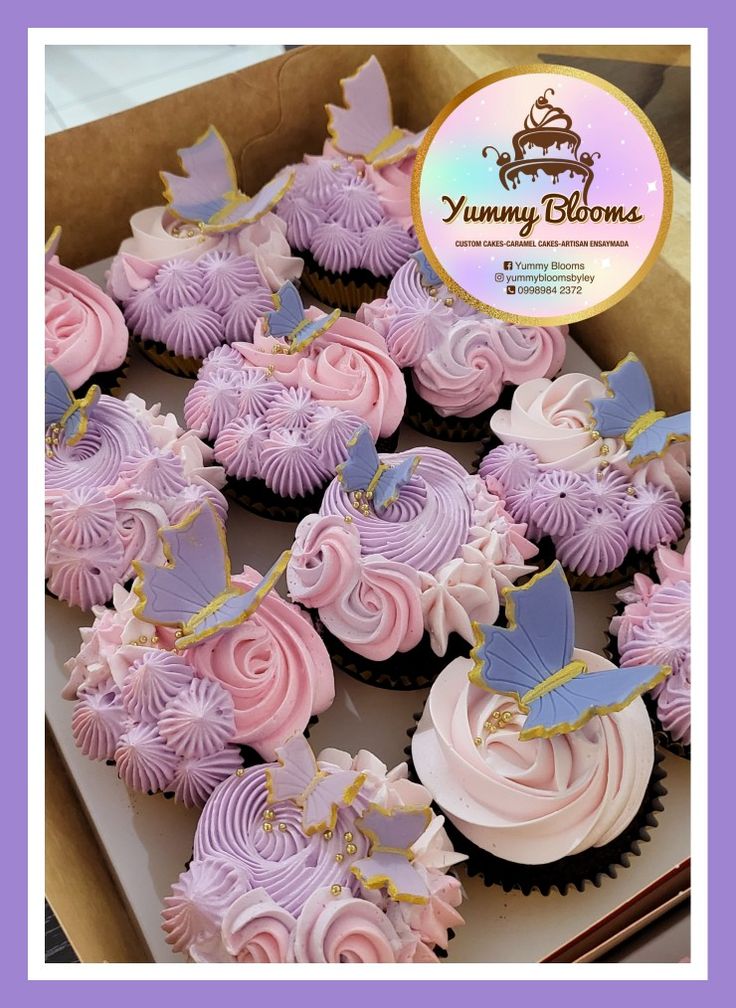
(327, 13)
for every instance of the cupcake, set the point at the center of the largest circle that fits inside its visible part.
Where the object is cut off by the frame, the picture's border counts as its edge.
(405, 552)
(116, 471)
(86, 335)
(327, 860)
(279, 410)
(460, 363)
(178, 693)
(653, 625)
(599, 477)
(348, 213)
(540, 754)
(199, 272)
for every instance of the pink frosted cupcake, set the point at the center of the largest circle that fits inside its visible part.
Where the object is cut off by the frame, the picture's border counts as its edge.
(179, 715)
(190, 280)
(348, 214)
(112, 479)
(86, 336)
(460, 363)
(355, 873)
(653, 625)
(280, 409)
(396, 588)
(591, 499)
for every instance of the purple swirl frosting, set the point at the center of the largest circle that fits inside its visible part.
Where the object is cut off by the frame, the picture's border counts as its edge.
(98, 721)
(334, 211)
(195, 306)
(593, 518)
(133, 471)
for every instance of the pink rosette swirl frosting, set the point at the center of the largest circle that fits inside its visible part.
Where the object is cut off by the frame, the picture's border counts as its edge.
(344, 929)
(392, 183)
(533, 801)
(275, 668)
(157, 238)
(98, 721)
(348, 367)
(257, 930)
(85, 330)
(529, 352)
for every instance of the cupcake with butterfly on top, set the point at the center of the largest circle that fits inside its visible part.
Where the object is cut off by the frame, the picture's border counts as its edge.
(332, 859)
(405, 551)
(600, 477)
(540, 754)
(115, 472)
(198, 273)
(195, 671)
(279, 409)
(86, 337)
(348, 213)
(460, 364)
(652, 624)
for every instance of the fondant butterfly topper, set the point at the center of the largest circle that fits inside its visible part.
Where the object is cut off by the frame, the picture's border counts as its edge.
(389, 863)
(628, 411)
(429, 277)
(370, 481)
(289, 322)
(532, 661)
(65, 414)
(208, 195)
(318, 794)
(52, 243)
(193, 590)
(365, 127)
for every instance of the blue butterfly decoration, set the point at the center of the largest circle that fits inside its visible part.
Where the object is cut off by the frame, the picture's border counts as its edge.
(532, 661)
(193, 589)
(628, 411)
(430, 278)
(369, 480)
(64, 413)
(289, 322)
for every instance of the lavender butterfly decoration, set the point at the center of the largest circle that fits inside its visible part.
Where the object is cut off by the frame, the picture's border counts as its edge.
(532, 661)
(389, 863)
(52, 243)
(629, 413)
(193, 589)
(63, 413)
(209, 196)
(320, 795)
(289, 322)
(365, 127)
(369, 480)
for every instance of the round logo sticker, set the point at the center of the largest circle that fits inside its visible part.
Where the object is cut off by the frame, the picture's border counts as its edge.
(541, 193)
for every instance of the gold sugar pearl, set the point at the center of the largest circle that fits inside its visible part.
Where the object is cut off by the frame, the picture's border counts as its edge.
(604, 465)
(268, 814)
(336, 166)
(347, 836)
(327, 835)
(179, 633)
(449, 302)
(348, 520)
(595, 435)
(339, 857)
(433, 292)
(489, 726)
(605, 449)
(240, 772)
(478, 741)
(154, 640)
(282, 827)
(267, 827)
(506, 716)
(336, 889)
(351, 849)
(631, 491)
(496, 714)
(369, 495)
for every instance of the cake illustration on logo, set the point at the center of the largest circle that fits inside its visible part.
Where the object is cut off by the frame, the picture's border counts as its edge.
(539, 147)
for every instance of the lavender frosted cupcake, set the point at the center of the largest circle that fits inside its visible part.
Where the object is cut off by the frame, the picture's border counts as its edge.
(398, 569)
(279, 410)
(460, 364)
(348, 214)
(589, 492)
(198, 273)
(327, 860)
(653, 625)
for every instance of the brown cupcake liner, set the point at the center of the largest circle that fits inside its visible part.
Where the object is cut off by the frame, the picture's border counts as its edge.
(159, 354)
(574, 871)
(425, 418)
(346, 291)
(662, 737)
(255, 496)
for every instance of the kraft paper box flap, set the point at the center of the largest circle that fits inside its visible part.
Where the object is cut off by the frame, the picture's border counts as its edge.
(270, 114)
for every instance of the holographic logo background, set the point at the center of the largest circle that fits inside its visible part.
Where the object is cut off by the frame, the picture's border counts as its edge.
(632, 171)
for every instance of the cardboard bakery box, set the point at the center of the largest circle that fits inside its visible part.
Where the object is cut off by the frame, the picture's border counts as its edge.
(270, 114)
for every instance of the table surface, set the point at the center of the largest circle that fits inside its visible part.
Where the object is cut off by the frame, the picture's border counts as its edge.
(147, 840)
